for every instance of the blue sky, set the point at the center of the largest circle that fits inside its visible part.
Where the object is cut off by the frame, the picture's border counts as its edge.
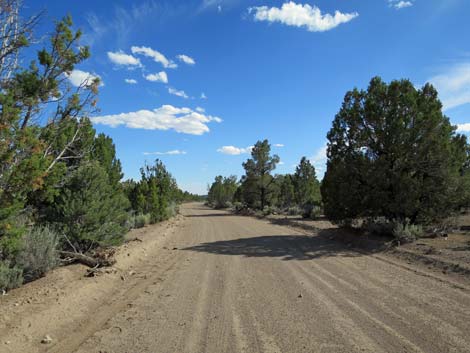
(196, 83)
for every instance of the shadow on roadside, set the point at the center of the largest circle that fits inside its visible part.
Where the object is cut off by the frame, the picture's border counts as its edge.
(224, 214)
(287, 247)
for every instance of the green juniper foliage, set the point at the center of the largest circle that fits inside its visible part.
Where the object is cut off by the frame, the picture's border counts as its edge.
(392, 153)
(257, 184)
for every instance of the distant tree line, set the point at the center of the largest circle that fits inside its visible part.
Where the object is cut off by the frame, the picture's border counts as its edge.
(60, 182)
(259, 189)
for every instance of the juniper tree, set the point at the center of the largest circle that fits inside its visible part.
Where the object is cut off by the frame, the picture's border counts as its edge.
(258, 178)
(393, 153)
(306, 184)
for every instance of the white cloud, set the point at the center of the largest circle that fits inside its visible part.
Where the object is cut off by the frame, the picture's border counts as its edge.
(130, 81)
(400, 4)
(278, 145)
(120, 58)
(319, 160)
(155, 55)
(186, 59)
(299, 15)
(178, 93)
(234, 151)
(158, 77)
(167, 117)
(453, 85)
(203, 95)
(463, 127)
(82, 78)
(168, 153)
(200, 110)
(281, 163)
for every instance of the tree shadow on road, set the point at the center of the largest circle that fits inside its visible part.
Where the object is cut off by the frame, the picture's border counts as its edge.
(205, 215)
(287, 247)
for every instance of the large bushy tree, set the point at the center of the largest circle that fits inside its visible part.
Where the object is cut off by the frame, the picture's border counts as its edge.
(392, 153)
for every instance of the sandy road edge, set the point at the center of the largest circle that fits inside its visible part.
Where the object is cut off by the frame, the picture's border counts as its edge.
(67, 306)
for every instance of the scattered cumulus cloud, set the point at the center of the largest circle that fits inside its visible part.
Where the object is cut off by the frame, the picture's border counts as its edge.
(400, 4)
(186, 59)
(453, 85)
(155, 55)
(465, 128)
(167, 117)
(178, 93)
(278, 145)
(234, 151)
(301, 15)
(123, 59)
(158, 77)
(130, 81)
(203, 95)
(200, 110)
(82, 78)
(168, 153)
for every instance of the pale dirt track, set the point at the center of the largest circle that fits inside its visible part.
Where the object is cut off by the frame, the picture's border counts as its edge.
(238, 284)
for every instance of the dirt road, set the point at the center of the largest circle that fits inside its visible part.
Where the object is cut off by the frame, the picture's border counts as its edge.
(223, 283)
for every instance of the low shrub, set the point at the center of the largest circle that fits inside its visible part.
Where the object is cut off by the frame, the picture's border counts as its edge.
(406, 232)
(238, 207)
(10, 277)
(172, 210)
(268, 210)
(379, 226)
(38, 254)
(294, 211)
(141, 220)
(311, 211)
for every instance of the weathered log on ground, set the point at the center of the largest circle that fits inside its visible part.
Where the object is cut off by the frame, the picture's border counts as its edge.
(99, 261)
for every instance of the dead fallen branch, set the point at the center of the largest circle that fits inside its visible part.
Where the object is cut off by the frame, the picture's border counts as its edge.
(135, 239)
(99, 259)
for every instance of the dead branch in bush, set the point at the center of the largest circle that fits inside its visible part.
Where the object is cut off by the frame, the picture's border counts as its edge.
(99, 259)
